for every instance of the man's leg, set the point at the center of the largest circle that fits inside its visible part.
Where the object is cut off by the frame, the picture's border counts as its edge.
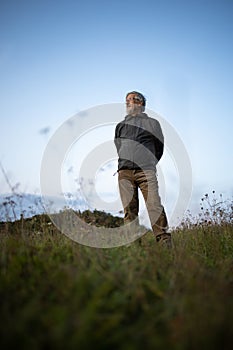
(129, 194)
(160, 228)
(148, 183)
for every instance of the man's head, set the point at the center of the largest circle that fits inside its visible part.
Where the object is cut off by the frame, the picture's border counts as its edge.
(135, 103)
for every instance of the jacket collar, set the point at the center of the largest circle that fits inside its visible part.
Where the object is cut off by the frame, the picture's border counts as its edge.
(140, 115)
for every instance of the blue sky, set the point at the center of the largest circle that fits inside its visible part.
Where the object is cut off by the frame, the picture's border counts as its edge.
(61, 57)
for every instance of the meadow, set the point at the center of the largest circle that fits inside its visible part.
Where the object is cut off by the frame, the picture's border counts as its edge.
(58, 294)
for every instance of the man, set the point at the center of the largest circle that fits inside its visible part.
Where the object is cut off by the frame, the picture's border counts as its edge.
(139, 142)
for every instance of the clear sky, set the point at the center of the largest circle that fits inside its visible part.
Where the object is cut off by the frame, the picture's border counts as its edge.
(61, 57)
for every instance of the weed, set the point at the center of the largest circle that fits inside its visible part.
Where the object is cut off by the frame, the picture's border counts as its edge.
(58, 294)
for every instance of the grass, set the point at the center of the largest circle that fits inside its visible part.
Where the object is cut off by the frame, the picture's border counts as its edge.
(58, 294)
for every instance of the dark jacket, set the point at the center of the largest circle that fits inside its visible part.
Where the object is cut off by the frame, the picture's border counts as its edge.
(139, 141)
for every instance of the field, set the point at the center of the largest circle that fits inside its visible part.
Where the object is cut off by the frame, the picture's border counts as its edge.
(58, 294)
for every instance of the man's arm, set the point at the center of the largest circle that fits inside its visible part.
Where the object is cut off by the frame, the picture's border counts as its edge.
(117, 137)
(158, 140)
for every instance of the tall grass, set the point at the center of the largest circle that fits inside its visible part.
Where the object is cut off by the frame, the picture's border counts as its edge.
(58, 294)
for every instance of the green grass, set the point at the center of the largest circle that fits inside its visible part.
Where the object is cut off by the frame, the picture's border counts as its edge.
(58, 294)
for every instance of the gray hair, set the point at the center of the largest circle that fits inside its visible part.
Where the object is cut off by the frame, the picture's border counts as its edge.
(140, 97)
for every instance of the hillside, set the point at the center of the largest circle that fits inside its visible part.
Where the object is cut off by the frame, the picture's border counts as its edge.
(58, 294)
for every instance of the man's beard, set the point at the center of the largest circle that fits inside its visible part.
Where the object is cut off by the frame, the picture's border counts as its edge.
(133, 109)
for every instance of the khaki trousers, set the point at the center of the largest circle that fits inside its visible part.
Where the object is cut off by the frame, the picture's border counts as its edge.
(130, 181)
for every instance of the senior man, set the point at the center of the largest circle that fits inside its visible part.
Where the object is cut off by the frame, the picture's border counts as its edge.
(140, 143)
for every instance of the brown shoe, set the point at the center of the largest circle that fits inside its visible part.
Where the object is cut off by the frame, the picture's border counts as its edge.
(164, 240)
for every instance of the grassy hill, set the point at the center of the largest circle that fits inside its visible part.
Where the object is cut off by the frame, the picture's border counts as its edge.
(58, 294)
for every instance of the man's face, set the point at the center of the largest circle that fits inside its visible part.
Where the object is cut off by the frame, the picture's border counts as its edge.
(133, 104)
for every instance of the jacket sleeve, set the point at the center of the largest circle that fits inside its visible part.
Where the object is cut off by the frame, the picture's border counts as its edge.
(158, 140)
(117, 137)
